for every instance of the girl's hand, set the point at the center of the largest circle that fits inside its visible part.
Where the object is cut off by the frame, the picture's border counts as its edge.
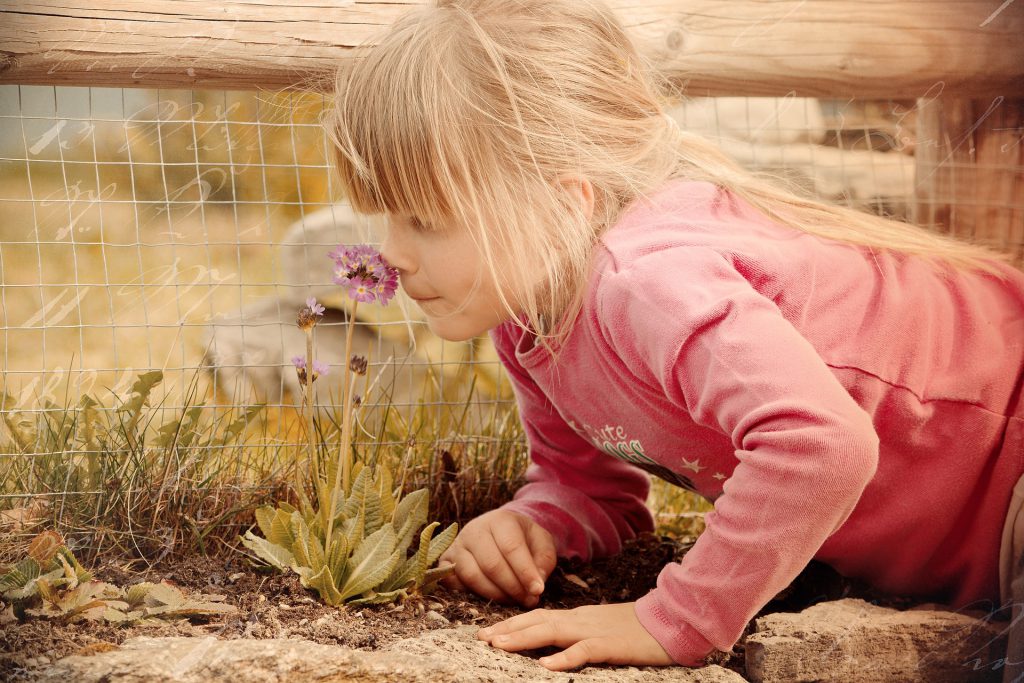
(591, 634)
(501, 555)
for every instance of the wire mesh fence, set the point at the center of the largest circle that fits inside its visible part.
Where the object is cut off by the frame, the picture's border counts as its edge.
(181, 231)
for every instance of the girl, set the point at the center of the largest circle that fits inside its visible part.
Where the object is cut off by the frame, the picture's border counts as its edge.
(844, 387)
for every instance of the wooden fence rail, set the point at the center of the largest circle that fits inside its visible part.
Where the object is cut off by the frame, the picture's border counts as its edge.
(812, 48)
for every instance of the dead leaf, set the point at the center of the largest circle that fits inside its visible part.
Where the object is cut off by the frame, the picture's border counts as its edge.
(44, 546)
(572, 578)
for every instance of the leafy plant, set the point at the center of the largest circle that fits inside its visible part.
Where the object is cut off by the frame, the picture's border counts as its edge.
(353, 543)
(51, 583)
(373, 531)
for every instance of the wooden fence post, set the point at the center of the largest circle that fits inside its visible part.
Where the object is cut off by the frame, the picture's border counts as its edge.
(970, 170)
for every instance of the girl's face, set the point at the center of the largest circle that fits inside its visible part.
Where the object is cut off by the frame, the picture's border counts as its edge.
(439, 270)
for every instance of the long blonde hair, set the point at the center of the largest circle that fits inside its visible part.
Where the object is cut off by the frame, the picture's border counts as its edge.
(465, 112)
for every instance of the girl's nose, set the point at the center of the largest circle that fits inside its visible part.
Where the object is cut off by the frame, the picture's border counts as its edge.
(394, 253)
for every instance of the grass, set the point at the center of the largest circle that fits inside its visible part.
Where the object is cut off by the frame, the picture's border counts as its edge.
(145, 481)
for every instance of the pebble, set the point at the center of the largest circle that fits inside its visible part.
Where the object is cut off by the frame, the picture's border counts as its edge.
(431, 615)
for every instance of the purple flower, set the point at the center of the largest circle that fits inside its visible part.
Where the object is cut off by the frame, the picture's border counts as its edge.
(364, 272)
(319, 368)
(314, 307)
(309, 315)
(361, 289)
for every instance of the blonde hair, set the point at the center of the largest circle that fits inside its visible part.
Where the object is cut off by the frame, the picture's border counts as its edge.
(465, 112)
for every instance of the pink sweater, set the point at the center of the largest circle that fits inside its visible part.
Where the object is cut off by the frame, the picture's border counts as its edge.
(860, 409)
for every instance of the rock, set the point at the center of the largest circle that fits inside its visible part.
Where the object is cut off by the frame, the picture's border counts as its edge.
(442, 655)
(249, 349)
(854, 641)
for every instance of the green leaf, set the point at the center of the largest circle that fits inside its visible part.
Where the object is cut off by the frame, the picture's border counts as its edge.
(354, 529)
(357, 495)
(410, 515)
(30, 588)
(411, 571)
(385, 482)
(441, 542)
(166, 434)
(432, 576)
(329, 500)
(165, 600)
(234, 429)
(338, 555)
(304, 574)
(80, 572)
(20, 574)
(135, 595)
(323, 582)
(265, 520)
(271, 553)
(371, 563)
(374, 516)
(190, 422)
(307, 549)
(377, 598)
(281, 529)
(140, 392)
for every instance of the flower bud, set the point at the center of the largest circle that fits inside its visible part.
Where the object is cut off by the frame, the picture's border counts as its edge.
(357, 364)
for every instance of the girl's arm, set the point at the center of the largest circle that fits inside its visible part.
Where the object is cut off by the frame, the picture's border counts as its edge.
(688, 322)
(589, 501)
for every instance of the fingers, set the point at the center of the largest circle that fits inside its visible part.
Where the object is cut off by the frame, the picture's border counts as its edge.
(541, 628)
(590, 651)
(595, 633)
(472, 576)
(513, 543)
(542, 549)
(501, 555)
(495, 556)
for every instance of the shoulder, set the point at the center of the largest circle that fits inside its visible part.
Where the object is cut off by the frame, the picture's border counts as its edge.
(694, 214)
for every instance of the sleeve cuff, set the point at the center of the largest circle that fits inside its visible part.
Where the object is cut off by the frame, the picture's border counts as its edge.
(683, 643)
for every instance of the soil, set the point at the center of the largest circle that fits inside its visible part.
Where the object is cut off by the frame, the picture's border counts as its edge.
(275, 605)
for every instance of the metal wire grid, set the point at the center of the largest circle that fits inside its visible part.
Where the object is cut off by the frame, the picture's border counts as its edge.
(191, 229)
(136, 220)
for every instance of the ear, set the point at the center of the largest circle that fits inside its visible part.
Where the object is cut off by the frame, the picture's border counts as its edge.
(579, 191)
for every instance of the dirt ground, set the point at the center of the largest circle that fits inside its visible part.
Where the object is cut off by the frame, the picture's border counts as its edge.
(275, 605)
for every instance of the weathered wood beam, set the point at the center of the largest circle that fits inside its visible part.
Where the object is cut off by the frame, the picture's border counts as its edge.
(970, 170)
(813, 48)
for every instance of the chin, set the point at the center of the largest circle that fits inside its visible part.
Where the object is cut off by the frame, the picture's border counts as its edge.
(451, 331)
(456, 330)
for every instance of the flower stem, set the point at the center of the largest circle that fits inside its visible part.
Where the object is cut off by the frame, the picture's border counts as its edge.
(343, 474)
(310, 434)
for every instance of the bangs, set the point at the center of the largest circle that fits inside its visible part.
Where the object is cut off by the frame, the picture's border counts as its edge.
(399, 127)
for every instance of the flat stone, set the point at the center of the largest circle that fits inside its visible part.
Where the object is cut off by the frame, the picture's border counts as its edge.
(854, 641)
(439, 655)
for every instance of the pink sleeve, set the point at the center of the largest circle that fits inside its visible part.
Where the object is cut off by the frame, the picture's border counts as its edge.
(589, 501)
(690, 323)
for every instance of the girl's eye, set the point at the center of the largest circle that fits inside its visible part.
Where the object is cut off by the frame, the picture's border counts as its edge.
(417, 224)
